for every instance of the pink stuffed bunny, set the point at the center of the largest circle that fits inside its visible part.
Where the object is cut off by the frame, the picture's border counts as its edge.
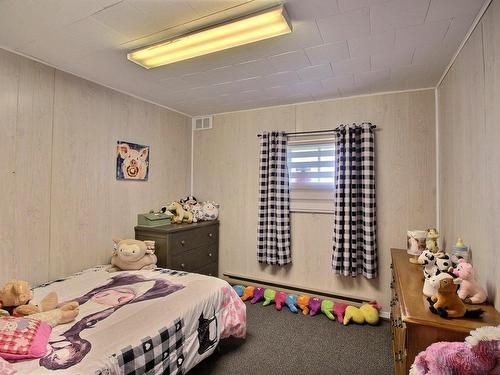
(469, 290)
(477, 355)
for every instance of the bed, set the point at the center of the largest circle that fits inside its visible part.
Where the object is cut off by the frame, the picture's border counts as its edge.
(138, 322)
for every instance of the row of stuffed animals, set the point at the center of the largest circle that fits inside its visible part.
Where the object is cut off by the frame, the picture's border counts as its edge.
(367, 313)
(189, 210)
(442, 276)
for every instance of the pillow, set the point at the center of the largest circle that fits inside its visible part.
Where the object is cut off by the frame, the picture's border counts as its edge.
(6, 368)
(23, 338)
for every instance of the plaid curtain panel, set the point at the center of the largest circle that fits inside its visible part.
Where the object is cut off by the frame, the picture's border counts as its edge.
(273, 240)
(354, 236)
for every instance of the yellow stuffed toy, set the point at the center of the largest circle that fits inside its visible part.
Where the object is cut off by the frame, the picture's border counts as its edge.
(368, 312)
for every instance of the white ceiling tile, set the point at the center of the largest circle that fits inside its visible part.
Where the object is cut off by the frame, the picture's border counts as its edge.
(445, 9)
(252, 83)
(176, 84)
(372, 77)
(315, 73)
(338, 82)
(358, 64)
(347, 5)
(199, 79)
(397, 57)
(426, 34)
(289, 61)
(279, 91)
(344, 26)
(397, 13)
(375, 43)
(164, 14)
(300, 10)
(309, 87)
(225, 74)
(127, 20)
(458, 29)
(256, 68)
(204, 7)
(326, 53)
(282, 78)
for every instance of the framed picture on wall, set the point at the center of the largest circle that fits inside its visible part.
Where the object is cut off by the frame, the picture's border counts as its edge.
(132, 161)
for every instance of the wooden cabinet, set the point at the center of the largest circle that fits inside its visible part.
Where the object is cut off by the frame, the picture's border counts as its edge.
(185, 247)
(413, 326)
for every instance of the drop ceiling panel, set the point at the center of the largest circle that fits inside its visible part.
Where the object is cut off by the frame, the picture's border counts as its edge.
(337, 47)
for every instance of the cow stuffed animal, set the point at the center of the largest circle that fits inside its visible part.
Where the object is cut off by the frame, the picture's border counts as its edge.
(132, 255)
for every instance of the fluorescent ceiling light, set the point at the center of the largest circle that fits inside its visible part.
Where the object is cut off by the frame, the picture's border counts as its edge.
(249, 29)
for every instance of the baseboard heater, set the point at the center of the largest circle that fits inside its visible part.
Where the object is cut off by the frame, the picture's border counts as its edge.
(244, 279)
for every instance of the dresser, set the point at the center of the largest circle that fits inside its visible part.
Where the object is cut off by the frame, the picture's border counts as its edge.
(186, 247)
(413, 326)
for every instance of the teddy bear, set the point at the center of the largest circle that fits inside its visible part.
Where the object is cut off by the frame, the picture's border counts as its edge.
(431, 240)
(447, 304)
(15, 296)
(469, 290)
(180, 214)
(132, 255)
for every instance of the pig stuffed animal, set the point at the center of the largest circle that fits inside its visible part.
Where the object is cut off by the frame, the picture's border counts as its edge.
(469, 291)
(135, 162)
(132, 255)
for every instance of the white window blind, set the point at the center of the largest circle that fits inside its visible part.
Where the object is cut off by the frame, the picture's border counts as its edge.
(311, 166)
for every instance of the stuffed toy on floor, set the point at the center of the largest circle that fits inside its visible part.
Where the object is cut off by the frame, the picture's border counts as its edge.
(478, 355)
(367, 313)
(131, 255)
(327, 308)
(258, 295)
(239, 289)
(291, 302)
(279, 300)
(248, 293)
(269, 295)
(339, 311)
(314, 306)
(303, 303)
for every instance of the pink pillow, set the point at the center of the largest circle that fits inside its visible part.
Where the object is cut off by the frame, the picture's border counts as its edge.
(23, 338)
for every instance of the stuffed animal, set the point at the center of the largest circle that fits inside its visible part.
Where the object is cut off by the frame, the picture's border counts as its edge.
(210, 210)
(279, 300)
(354, 314)
(191, 204)
(469, 290)
(16, 294)
(303, 303)
(248, 293)
(258, 294)
(180, 215)
(368, 312)
(132, 255)
(428, 260)
(314, 306)
(431, 285)
(291, 302)
(339, 311)
(443, 262)
(239, 289)
(477, 355)
(269, 295)
(327, 309)
(431, 240)
(447, 304)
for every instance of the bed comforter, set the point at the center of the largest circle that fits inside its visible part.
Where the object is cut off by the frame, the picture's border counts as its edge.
(138, 322)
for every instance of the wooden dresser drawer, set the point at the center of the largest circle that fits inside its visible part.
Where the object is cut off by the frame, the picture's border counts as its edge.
(211, 269)
(182, 241)
(194, 259)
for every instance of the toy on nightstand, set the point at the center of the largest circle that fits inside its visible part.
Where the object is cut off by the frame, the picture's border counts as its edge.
(269, 295)
(327, 308)
(258, 295)
(339, 311)
(447, 304)
(279, 300)
(180, 215)
(239, 289)
(248, 293)
(291, 302)
(303, 303)
(469, 290)
(314, 306)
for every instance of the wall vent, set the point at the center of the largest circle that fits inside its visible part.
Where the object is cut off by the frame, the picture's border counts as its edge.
(202, 122)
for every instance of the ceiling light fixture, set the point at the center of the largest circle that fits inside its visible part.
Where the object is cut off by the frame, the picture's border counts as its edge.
(252, 28)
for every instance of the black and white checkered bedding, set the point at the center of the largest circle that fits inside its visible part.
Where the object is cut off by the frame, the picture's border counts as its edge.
(138, 322)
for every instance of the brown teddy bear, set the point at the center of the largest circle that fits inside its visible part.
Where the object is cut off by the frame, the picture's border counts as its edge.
(132, 255)
(447, 304)
(16, 294)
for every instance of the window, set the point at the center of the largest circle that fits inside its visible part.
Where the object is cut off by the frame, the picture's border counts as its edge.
(311, 169)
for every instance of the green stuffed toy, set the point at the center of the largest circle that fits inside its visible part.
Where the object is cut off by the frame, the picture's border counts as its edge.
(327, 309)
(269, 295)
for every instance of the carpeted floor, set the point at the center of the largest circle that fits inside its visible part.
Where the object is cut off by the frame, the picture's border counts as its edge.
(286, 343)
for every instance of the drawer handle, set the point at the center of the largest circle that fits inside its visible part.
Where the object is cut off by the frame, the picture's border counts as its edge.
(209, 274)
(183, 242)
(183, 265)
(210, 235)
(210, 254)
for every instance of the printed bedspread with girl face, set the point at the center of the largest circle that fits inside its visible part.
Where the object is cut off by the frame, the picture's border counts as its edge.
(138, 322)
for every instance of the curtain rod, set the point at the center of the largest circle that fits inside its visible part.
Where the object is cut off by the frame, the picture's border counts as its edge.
(315, 131)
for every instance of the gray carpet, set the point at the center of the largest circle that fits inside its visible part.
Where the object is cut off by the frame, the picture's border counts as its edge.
(286, 343)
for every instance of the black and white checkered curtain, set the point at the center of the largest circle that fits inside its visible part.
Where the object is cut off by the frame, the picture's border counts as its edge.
(354, 237)
(273, 241)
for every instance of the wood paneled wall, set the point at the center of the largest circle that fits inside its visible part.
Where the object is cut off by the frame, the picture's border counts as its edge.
(469, 152)
(226, 170)
(60, 204)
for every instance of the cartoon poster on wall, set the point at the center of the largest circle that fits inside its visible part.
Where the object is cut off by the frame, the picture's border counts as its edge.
(132, 161)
